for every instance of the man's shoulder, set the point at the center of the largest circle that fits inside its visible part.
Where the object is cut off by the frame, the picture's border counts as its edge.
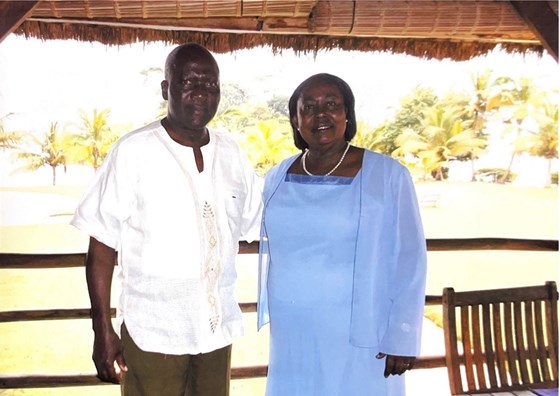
(140, 136)
(221, 136)
(224, 140)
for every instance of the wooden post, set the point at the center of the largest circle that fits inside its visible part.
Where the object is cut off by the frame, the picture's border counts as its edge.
(12, 14)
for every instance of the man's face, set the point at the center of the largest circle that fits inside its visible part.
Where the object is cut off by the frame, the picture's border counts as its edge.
(193, 92)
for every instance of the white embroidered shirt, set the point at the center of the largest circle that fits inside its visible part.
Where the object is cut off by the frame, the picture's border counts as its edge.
(176, 232)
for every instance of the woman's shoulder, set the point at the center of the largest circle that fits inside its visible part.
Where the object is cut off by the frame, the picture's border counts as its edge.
(279, 170)
(372, 158)
(282, 165)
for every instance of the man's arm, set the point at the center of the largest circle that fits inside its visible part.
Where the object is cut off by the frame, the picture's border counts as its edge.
(107, 347)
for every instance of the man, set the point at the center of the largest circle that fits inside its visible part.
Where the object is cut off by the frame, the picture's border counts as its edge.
(173, 199)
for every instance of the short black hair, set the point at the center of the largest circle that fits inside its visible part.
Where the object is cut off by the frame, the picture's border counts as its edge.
(188, 50)
(349, 103)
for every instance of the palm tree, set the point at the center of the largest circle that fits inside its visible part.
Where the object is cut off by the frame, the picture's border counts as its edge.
(52, 152)
(370, 137)
(544, 141)
(8, 140)
(522, 97)
(91, 145)
(473, 114)
(409, 116)
(267, 143)
(232, 120)
(444, 137)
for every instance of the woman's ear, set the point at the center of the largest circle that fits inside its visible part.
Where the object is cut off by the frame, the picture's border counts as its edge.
(294, 122)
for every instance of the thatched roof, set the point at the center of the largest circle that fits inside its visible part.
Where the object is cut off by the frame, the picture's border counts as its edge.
(434, 29)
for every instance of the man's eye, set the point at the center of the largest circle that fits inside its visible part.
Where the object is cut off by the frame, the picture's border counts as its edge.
(187, 82)
(211, 84)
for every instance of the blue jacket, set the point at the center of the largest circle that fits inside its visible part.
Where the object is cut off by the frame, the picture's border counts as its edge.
(390, 264)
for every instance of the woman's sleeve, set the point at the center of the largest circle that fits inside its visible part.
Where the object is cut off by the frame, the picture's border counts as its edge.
(408, 275)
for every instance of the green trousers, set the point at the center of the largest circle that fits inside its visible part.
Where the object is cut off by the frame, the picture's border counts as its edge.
(156, 374)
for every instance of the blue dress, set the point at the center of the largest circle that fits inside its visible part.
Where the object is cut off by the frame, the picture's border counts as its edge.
(312, 222)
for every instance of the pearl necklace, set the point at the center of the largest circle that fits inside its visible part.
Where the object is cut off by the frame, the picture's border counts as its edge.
(332, 170)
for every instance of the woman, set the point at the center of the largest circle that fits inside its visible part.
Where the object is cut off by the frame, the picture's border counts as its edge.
(343, 257)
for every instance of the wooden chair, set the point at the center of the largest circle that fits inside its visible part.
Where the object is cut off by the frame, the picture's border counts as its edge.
(502, 339)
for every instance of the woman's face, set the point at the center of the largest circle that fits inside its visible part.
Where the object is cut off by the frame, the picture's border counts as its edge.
(321, 113)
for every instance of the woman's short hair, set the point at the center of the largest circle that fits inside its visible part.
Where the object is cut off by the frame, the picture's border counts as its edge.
(349, 103)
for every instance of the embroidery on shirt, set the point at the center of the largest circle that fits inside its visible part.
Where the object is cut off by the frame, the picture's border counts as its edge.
(212, 267)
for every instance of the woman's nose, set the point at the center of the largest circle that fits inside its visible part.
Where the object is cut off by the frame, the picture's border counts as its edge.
(320, 109)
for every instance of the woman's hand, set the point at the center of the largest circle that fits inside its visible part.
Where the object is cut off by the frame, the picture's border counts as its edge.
(396, 365)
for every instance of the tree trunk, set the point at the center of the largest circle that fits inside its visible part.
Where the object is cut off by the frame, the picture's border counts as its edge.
(503, 179)
(548, 172)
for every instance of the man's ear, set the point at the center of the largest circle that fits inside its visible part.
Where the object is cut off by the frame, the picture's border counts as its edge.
(164, 89)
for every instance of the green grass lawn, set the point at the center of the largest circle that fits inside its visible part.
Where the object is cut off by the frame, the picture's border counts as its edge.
(464, 210)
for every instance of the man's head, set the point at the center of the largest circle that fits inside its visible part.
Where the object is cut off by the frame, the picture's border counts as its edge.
(191, 86)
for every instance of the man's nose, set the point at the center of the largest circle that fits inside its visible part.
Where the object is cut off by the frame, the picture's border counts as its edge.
(200, 91)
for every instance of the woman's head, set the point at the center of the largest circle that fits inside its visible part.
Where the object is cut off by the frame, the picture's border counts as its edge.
(322, 96)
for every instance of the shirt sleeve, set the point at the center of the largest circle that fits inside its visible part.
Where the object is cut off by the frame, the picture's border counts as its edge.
(252, 210)
(105, 204)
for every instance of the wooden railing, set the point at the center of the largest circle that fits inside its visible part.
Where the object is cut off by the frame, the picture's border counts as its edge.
(20, 261)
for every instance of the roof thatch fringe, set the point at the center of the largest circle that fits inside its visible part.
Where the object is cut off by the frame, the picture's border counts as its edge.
(229, 42)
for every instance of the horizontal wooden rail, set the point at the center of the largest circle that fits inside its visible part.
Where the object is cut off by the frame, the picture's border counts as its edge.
(237, 373)
(16, 260)
(76, 313)
(492, 244)
(78, 260)
(58, 380)
(84, 313)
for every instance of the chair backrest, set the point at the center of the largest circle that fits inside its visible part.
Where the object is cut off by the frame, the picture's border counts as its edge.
(501, 339)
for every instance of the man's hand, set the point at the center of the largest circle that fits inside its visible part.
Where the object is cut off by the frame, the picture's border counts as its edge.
(396, 365)
(107, 349)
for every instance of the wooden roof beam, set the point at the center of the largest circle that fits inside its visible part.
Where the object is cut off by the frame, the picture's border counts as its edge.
(12, 14)
(543, 20)
(210, 24)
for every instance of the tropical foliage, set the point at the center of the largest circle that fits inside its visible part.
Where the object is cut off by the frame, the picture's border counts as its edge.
(47, 151)
(427, 133)
(264, 135)
(369, 137)
(92, 143)
(444, 136)
(267, 143)
(408, 117)
(8, 140)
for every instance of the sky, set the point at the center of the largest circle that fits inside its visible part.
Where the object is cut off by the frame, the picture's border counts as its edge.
(51, 81)
(42, 82)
